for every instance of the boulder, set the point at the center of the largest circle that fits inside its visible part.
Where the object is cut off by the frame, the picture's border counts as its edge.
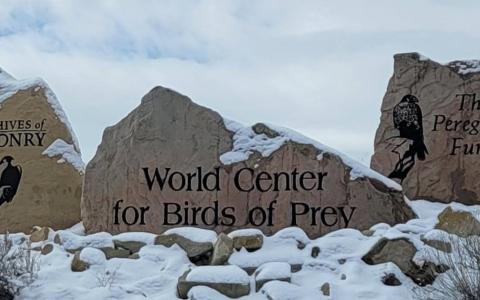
(391, 279)
(39, 156)
(222, 171)
(39, 234)
(280, 271)
(461, 223)
(428, 134)
(250, 239)
(78, 265)
(230, 281)
(131, 246)
(197, 252)
(115, 252)
(222, 250)
(401, 252)
(47, 249)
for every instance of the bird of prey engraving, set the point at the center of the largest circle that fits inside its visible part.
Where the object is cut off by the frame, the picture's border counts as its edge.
(408, 120)
(9, 179)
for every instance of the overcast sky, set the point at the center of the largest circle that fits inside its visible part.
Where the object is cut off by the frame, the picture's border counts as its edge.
(319, 67)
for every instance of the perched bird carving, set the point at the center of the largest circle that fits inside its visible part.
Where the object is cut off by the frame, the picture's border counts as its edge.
(9, 179)
(407, 118)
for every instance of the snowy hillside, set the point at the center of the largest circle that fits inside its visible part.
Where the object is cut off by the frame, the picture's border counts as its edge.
(330, 267)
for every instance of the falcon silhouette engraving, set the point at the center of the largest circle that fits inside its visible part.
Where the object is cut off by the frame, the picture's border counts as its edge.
(408, 120)
(9, 179)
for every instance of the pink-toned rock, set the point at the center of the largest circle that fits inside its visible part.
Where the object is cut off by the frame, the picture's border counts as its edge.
(168, 130)
(428, 137)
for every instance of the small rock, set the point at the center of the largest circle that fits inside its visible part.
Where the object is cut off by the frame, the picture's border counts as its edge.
(342, 261)
(391, 280)
(438, 244)
(39, 234)
(368, 232)
(325, 288)
(222, 250)
(315, 252)
(47, 249)
(77, 264)
(267, 272)
(115, 253)
(343, 277)
(301, 245)
(131, 246)
(57, 239)
(236, 285)
(250, 242)
(197, 252)
(460, 223)
(134, 256)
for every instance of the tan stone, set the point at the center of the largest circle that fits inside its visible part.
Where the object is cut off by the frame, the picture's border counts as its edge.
(461, 223)
(78, 265)
(222, 250)
(168, 130)
(441, 176)
(49, 192)
(249, 242)
(39, 234)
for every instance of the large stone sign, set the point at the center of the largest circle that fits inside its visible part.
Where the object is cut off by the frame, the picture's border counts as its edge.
(173, 163)
(428, 138)
(40, 167)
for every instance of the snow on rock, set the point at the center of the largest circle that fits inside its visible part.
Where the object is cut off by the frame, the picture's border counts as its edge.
(71, 241)
(273, 270)
(246, 142)
(218, 274)
(245, 232)
(198, 235)
(155, 274)
(9, 86)
(67, 153)
(92, 256)
(144, 237)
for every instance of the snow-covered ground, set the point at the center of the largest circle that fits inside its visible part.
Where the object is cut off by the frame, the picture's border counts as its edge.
(155, 273)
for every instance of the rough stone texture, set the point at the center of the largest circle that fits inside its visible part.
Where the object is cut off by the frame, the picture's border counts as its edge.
(441, 176)
(169, 130)
(232, 290)
(196, 251)
(49, 192)
(222, 250)
(249, 242)
(443, 246)
(131, 246)
(401, 252)
(39, 234)
(461, 223)
(115, 253)
(78, 265)
(47, 249)
(325, 288)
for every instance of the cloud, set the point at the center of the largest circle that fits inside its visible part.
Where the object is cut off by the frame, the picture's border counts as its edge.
(320, 67)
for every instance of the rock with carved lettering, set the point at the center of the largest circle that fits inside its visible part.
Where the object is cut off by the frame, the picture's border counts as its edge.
(40, 166)
(173, 163)
(429, 134)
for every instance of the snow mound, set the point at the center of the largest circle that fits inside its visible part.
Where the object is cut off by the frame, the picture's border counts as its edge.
(194, 234)
(67, 153)
(273, 270)
(246, 142)
(245, 232)
(9, 86)
(219, 274)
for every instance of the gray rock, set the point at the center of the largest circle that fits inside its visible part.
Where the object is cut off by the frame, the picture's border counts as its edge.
(229, 289)
(460, 223)
(47, 249)
(222, 250)
(315, 252)
(325, 288)
(196, 251)
(77, 264)
(438, 244)
(249, 242)
(131, 246)
(115, 253)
